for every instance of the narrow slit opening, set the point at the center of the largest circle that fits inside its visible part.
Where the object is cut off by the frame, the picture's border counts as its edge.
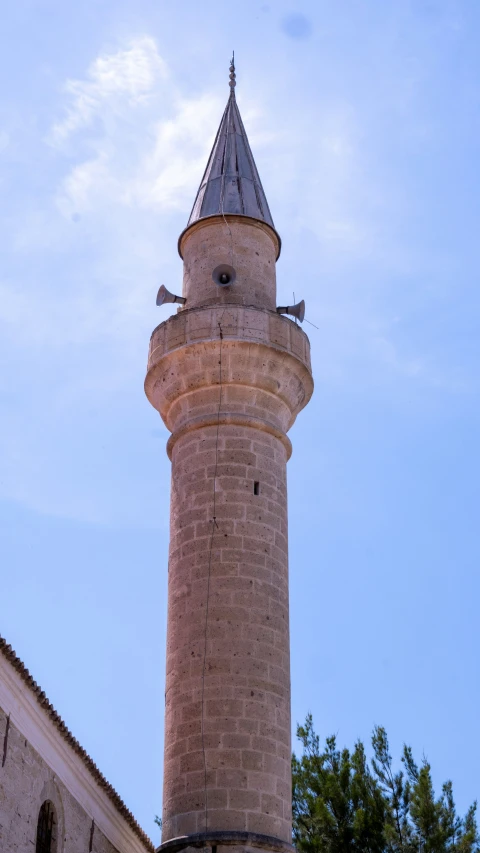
(256, 488)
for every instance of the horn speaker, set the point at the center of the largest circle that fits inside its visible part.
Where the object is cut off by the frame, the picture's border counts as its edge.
(297, 310)
(224, 275)
(164, 296)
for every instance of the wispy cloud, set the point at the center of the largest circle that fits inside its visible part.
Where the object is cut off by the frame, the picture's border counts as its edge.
(126, 156)
(113, 80)
(138, 147)
(156, 170)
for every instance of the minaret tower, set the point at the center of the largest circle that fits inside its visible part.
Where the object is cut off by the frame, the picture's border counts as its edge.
(228, 376)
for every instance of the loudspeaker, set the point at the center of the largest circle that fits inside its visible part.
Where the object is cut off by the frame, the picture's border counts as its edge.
(224, 275)
(297, 310)
(164, 296)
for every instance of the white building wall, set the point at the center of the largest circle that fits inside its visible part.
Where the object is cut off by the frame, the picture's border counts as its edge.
(37, 764)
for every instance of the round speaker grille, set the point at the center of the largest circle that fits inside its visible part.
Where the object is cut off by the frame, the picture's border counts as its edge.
(224, 275)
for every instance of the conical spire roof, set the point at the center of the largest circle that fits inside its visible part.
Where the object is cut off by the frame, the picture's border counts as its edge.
(231, 183)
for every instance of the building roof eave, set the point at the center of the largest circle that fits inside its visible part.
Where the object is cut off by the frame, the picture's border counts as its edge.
(9, 654)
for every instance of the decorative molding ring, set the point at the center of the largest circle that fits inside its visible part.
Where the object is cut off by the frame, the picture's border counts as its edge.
(226, 838)
(233, 418)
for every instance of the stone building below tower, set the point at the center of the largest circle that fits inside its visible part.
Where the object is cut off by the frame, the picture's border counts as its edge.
(53, 798)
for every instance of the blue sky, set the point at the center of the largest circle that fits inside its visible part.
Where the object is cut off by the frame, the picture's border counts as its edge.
(364, 121)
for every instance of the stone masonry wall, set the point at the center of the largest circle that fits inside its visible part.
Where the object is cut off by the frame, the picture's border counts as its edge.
(249, 246)
(228, 382)
(246, 707)
(26, 781)
(266, 371)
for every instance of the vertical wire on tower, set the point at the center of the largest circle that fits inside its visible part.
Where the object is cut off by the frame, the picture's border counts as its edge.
(214, 518)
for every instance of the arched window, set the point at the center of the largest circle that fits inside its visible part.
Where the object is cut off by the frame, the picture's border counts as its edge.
(46, 829)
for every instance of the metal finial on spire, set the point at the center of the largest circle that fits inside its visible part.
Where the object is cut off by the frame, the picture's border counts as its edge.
(233, 81)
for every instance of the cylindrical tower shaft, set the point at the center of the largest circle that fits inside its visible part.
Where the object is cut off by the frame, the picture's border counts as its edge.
(228, 381)
(228, 677)
(228, 376)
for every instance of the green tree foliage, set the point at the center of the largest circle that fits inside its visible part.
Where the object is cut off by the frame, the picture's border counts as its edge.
(343, 803)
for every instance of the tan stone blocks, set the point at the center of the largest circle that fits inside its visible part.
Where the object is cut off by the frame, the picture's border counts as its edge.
(245, 800)
(189, 802)
(231, 510)
(191, 711)
(252, 760)
(268, 746)
(228, 725)
(224, 758)
(181, 824)
(277, 767)
(253, 533)
(265, 824)
(191, 761)
(217, 798)
(279, 330)
(232, 778)
(263, 449)
(175, 332)
(239, 443)
(230, 541)
(262, 782)
(258, 710)
(248, 726)
(283, 752)
(204, 528)
(219, 665)
(195, 780)
(193, 459)
(235, 741)
(224, 708)
(227, 818)
(238, 456)
(244, 560)
(284, 791)
(281, 735)
(174, 750)
(278, 553)
(275, 519)
(188, 728)
(228, 470)
(272, 805)
(179, 786)
(200, 325)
